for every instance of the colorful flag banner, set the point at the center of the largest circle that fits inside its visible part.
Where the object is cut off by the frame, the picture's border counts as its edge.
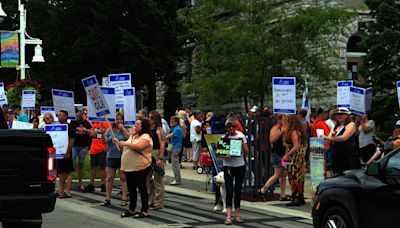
(9, 49)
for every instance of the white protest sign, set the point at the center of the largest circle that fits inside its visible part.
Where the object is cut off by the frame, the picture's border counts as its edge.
(59, 136)
(129, 107)
(109, 95)
(28, 99)
(95, 95)
(3, 97)
(235, 147)
(105, 81)
(21, 125)
(343, 93)
(48, 109)
(64, 100)
(398, 91)
(360, 100)
(284, 95)
(120, 82)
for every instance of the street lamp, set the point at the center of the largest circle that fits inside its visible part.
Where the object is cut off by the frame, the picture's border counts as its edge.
(25, 40)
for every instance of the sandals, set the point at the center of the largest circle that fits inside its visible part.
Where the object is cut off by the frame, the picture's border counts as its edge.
(286, 198)
(228, 221)
(141, 215)
(128, 213)
(123, 203)
(105, 202)
(65, 195)
(262, 190)
(238, 219)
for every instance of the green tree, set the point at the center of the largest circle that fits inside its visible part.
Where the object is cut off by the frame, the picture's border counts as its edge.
(241, 45)
(383, 60)
(82, 38)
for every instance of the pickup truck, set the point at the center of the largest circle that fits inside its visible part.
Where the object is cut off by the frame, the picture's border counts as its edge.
(27, 177)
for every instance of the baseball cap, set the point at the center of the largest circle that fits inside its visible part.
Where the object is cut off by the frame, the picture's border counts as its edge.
(342, 110)
(398, 123)
(254, 109)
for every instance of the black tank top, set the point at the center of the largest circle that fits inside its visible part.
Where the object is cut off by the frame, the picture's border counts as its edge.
(154, 136)
(278, 147)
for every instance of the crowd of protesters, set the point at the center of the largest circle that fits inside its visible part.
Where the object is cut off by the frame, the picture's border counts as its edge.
(141, 152)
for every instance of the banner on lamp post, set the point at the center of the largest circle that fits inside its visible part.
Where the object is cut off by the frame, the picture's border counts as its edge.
(129, 107)
(120, 82)
(28, 100)
(343, 93)
(96, 98)
(109, 96)
(64, 100)
(284, 95)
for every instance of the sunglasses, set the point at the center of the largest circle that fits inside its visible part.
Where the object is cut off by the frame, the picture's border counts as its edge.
(47, 118)
(231, 126)
(152, 118)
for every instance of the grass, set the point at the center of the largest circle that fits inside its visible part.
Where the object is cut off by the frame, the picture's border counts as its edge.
(86, 169)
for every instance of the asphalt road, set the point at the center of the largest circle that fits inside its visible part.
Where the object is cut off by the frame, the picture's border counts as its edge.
(83, 210)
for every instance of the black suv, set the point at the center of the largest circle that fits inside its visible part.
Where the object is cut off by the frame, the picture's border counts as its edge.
(361, 198)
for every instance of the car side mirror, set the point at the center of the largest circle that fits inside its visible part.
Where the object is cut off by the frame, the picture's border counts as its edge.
(373, 169)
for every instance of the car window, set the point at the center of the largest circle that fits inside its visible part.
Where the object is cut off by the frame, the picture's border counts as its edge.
(393, 166)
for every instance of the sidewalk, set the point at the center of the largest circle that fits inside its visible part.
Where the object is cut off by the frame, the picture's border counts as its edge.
(196, 184)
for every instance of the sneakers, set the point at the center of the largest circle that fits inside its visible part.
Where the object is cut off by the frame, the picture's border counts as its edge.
(175, 183)
(88, 188)
(103, 188)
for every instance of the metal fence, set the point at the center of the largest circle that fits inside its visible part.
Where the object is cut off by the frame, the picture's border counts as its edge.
(258, 165)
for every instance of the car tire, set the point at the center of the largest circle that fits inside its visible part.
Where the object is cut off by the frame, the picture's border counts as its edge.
(336, 217)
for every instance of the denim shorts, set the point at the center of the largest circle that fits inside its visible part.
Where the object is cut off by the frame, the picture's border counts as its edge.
(79, 151)
(276, 160)
(113, 163)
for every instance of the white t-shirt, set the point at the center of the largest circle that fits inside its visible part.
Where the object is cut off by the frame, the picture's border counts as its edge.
(236, 161)
(194, 136)
(365, 139)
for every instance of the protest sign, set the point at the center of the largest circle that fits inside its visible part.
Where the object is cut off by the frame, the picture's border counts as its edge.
(48, 109)
(284, 95)
(109, 96)
(360, 100)
(129, 103)
(398, 91)
(59, 136)
(28, 99)
(343, 93)
(227, 146)
(21, 125)
(317, 164)
(96, 98)
(120, 82)
(64, 100)
(3, 97)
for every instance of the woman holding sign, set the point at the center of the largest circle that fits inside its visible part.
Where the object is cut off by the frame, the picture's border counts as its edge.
(234, 168)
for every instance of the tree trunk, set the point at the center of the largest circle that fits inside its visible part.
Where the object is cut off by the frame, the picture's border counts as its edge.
(151, 97)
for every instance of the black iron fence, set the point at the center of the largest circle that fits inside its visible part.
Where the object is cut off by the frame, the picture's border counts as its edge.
(258, 161)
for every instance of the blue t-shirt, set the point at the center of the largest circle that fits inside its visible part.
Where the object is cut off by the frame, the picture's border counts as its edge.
(23, 118)
(176, 141)
(112, 151)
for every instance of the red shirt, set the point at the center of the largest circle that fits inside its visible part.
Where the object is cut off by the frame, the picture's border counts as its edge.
(319, 124)
(97, 144)
(239, 126)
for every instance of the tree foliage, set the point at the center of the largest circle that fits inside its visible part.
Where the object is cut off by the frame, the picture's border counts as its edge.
(383, 60)
(86, 37)
(241, 45)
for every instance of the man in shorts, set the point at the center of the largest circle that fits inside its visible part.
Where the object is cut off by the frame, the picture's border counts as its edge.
(97, 156)
(195, 137)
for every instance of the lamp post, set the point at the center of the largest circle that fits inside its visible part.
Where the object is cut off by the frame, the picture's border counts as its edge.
(38, 57)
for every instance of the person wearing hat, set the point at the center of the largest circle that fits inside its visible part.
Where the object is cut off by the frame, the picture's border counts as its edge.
(345, 154)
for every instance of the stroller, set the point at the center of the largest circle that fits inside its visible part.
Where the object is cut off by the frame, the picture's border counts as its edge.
(205, 163)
